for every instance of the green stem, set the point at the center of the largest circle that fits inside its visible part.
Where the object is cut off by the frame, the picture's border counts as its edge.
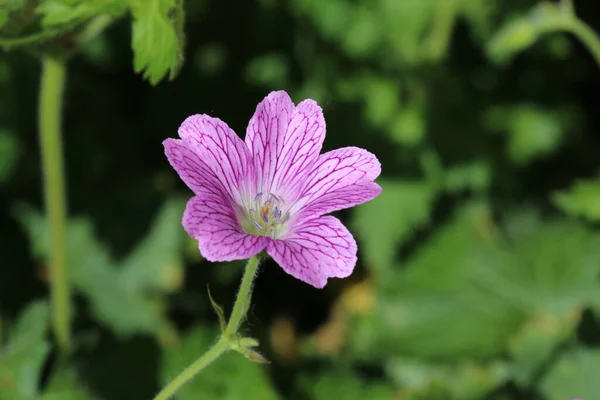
(227, 341)
(243, 298)
(587, 35)
(51, 94)
(441, 33)
(211, 355)
(95, 27)
(9, 43)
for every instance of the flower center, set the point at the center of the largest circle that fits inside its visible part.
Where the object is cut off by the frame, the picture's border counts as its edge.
(264, 216)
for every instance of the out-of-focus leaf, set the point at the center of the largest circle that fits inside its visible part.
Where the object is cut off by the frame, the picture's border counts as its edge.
(515, 36)
(3, 17)
(553, 278)
(437, 306)
(408, 126)
(480, 14)
(9, 151)
(363, 32)
(519, 33)
(463, 381)
(408, 202)
(155, 263)
(533, 132)
(338, 385)
(155, 44)
(533, 346)
(583, 199)
(211, 58)
(63, 385)
(382, 100)
(270, 70)
(555, 269)
(575, 375)
(331, 17)
(230, 377)
(22, 358)
(474, 176)
(126, 295)
(57, 12)
(30, 328)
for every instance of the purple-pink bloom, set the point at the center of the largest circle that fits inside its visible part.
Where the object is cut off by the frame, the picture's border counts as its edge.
(272, 190)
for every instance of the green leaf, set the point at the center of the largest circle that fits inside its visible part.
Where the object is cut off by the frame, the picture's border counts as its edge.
(532, 131)
(270, 70)
(9, 151)
(63, 385)
(513, 37)
(408, 126)
(22, 358)
(575, 375)
(332, 384)
(30, 328)
(219, 310)
(552, 278)
(59, 12)
(3, 17)
(460, 381)
(155, 263)
(583, 199)
(363, 33)
(230, 377)
(155, 44)
(520, 33)
(534, 346)
(437, 307)
(124, 295)
(382, 100)
(554, 269)
(475, 176)
(409, 205)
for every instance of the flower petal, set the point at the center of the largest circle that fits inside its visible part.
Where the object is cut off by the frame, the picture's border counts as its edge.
(336, 176)
(266, 133)
(222, 150)
(318, 249)
(285, 142)
(347, 197)
(302, 145)
(212, 221)
(191, 169)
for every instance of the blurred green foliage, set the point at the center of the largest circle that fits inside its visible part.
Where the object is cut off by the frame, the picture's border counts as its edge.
(479, 265)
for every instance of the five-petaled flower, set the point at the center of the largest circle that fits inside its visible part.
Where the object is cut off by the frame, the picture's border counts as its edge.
(272, 191)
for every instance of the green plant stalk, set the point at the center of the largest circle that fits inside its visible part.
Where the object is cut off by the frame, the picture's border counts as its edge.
(50, 105)
(587, 35)
(211, 355)
(226, 342)
(241, 302)
(439, 39)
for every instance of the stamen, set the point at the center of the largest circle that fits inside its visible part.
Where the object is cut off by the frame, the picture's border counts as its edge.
(265, 218)
(252, 211)
(277, 213)
(258, 196)
(256, 225)
(272, 196)
(272, 233)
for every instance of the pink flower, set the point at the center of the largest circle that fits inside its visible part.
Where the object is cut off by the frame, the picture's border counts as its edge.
(271, 191)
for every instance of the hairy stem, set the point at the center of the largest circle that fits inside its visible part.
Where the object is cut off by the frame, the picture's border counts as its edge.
(227, 341)
(50, 104)
(211, 355)
(243, 298)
